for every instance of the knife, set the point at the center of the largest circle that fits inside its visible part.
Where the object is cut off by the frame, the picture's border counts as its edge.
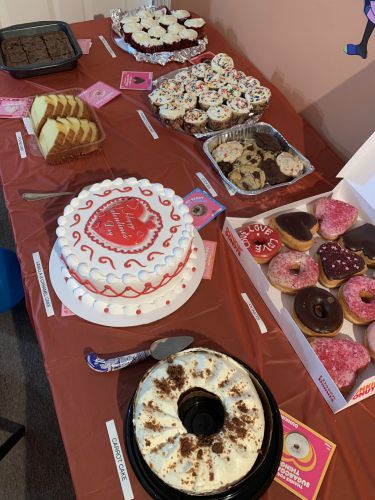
(160, 349)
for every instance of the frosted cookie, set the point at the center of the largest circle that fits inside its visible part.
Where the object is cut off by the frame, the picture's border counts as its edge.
(247, 178)
(222, 63)
(219, 117)
(228, 151)
(289, 164)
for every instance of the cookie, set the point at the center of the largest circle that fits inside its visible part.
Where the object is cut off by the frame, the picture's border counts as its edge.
(248, 178)
(273, 173)
(248, 158)
(228, 151)
(267, 155)
(250, 145)
(267, 142)
(289, 164)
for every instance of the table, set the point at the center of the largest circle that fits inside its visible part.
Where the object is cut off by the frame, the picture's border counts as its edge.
(215, 315)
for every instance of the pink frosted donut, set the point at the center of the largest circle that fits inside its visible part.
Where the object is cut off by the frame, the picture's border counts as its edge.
(334, 216)
(370, 339)
(291, 271)
(357, 296)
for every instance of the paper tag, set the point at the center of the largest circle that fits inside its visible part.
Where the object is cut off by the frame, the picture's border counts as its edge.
(305, 459)
(14, 107)
(210, 251)
(28, 126)
(65, 311)
(43, 284)
(21, 145)
(85, 44)
(107, 46)
(229, 188)
(99, 94)
(206, 183)
(147, 124)
(202, 207)
(119, 460)
(258, 319)
(136, 80)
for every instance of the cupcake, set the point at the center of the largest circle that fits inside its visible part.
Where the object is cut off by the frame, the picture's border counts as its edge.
(140, 41)
(188, 38)
(195, 121)
(258, 98)
(172, 115)
(229, 91)
(181, 15)
(188, 101)
(209, 98)
(234, 76)
(148, 22)
(248, 83)
(167, 20)
(197, 24)
(172, 86)
(214, 81)
(175, 28)
(219, 117)
(222, 63)
(129, 29)
(184, 75)
(196, 87)
(159, 98)
(240, 109)
(201, 70)
(156, 31)
(171, 42)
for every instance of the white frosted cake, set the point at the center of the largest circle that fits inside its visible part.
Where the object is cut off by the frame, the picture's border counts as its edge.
(198, 463)
(126, 246)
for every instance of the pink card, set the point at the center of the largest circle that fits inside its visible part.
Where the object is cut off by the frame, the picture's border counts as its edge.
(205, 57)
(14, 107)
(210, 251)
(203, 208)
(65, 311)
(136, 80)
(99, 94)
(85, 44)
(305, 459)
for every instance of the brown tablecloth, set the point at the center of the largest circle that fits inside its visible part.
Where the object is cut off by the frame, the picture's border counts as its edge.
(215, 315)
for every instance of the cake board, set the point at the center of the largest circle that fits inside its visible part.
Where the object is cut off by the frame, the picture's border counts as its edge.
(65, 294)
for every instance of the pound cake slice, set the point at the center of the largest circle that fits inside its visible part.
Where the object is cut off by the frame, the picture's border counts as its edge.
(52, 137)
(43, 107)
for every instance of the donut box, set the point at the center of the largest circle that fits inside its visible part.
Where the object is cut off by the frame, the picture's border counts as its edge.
(356, 187)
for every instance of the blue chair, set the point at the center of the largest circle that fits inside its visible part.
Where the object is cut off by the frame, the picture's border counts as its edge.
(11, 289)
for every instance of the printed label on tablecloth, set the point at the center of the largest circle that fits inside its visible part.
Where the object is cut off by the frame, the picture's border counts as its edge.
(210, 251)
(14, 107)
(107, 46)
(258, 319)
(147, 124)
(21, 145)
(205, 57)
(206, 184)
(43, 284)
(65, 311)
(119, 460)
(136, 80)
(203, 208)
(305, 459)
(85, 44)
(99, 94)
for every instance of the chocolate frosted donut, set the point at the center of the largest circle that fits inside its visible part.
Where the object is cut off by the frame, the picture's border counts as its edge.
(317, 312)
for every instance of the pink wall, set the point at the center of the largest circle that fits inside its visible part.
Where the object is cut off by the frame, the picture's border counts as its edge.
(298, 45)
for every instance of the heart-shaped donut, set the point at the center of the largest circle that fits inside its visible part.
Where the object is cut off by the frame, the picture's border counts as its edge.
(296, 229)
(337, 264)
(343, 359)
(334, 216)
(361, 240)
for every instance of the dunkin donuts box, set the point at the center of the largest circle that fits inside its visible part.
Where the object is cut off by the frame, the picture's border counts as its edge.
(357, 187)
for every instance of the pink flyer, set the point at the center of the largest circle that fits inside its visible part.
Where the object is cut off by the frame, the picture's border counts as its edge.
(305, 459)
(203, 208)
(85, 44)
(210, 251)
(99, 94)
(136, 80)
(14, 107)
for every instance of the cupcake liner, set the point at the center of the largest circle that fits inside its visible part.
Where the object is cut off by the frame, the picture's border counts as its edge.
(175, 124)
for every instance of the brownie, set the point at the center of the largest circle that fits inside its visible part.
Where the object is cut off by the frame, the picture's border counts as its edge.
(225, 167)
(267, 142)
(273, 173)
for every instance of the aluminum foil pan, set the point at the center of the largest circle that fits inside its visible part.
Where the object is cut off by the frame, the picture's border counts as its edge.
(161, 58)
(246, 131)
(253, 118)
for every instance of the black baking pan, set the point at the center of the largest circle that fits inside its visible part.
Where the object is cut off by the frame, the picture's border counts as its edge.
(251, 487)
(40, 68)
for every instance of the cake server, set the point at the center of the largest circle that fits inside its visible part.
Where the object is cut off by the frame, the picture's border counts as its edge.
(160, 349)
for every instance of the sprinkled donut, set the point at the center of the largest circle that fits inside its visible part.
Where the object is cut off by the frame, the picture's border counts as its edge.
(291, 271)
(334, 216)
(262, 241)
(357, 297)
(370, 340)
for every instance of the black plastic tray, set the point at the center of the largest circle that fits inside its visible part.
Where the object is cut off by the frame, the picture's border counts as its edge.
(249, 488)
(28, 29)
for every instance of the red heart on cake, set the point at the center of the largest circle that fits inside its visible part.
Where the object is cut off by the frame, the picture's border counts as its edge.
(334, 216)
(343, 359)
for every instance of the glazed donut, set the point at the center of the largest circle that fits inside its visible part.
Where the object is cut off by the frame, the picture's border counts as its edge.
(357, 297)
(291, 271)
(370, 340)
(317, 312)
(262, 241)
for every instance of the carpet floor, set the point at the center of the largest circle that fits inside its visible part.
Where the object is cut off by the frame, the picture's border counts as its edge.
(36, 468)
